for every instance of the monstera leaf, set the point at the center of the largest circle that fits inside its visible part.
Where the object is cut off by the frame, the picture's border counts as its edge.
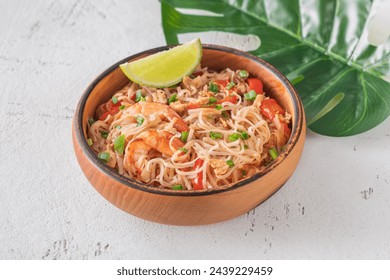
(320, 45)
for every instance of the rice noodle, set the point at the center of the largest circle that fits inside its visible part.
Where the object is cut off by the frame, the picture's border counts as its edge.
(152, 145)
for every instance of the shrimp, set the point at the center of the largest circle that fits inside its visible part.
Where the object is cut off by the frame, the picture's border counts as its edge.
(142, 148)
(154, 110)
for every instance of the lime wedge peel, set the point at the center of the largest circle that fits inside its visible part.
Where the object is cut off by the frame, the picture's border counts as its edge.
(166, 68)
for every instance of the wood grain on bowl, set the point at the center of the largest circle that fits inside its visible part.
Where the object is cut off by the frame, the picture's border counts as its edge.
(191, 207)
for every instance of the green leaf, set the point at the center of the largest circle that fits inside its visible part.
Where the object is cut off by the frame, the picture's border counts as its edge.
(320, 45)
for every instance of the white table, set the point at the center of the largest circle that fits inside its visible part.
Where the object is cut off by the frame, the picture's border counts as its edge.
(336, 205)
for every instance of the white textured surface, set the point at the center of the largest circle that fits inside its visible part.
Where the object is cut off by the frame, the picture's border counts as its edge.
(336, 206)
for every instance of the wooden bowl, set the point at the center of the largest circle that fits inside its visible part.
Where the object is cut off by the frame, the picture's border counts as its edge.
(190, 207)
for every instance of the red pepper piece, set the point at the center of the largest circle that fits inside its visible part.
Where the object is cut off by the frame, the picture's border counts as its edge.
(197, 182)
(193, 106)
(231, 98)
(111, 109)
(222, 83)
(270, 107)
(255, 84)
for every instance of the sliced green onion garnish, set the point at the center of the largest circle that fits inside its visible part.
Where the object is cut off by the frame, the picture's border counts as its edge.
(243, 173)
(213, 87)
(230, 85)
(212, 100)
(89, 141)
(225, 115)
(177, 187)
(104, 156)
(138, 96)
(114, 99)
(91, 121)
(215, 135)
(184, 150)
(218, 106)
(104, 134)
(244, 135)
(273, 153)
(251, 95)
(172, 98)
(246, 147)
(184, 136)
(140, 120)
(122, 107)
(234, 137)
(118, 127)
(243, 74)
(230, 163)
(119, 144)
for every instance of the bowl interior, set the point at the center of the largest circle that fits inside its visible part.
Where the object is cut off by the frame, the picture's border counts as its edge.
(215, 58)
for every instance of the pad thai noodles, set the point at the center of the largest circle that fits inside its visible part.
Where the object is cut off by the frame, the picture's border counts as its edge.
(210, 131)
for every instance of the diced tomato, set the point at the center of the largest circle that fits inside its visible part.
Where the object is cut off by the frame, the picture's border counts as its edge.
(197, 182)
(270, 107)
(110, 105)
(222, 83)
(104, 116)
(230, 98)
(111, 109)
(255, 84)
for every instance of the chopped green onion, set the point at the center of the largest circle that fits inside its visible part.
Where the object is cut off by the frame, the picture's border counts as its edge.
(230, 85)
(140, 120)
(251, 95)
(114, 99)
(89, 141)
(119, 144)
(138, 96)
(234, 137)
(172, 98)
(218, 107)
(230, 163)
(246, 146)
(244, 135)
(184, 136)
(177, 187)
(212, 100)
(273, 153)
(118, 127)
(122, 107)
(243, 74)
(215, 135)
(213, 87)
(104, 134)
(184, 150)
(104, 156)
(91, 121)
(240, 134)
(243, 173)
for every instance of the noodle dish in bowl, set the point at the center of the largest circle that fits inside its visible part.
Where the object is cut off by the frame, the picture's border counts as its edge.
(204, 148)
(210, 131)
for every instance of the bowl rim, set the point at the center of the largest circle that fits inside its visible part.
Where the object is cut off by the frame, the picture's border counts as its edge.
(112, 173)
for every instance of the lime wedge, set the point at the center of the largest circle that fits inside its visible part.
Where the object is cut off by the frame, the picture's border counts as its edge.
(165, 68)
